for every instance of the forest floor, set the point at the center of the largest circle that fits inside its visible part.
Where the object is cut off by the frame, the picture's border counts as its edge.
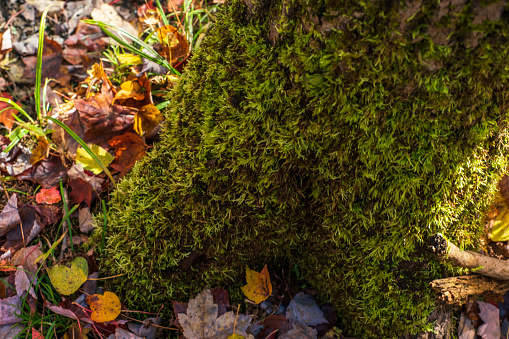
(75, 116)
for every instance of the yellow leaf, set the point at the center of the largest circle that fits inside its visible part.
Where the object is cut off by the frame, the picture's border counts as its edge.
(67, 280)
(89, 163)
(258, 286)
(127, 58)
(500, 230)
(130, 89)
(104, 307)
(96, 72)
(236, 336)
(147, 118)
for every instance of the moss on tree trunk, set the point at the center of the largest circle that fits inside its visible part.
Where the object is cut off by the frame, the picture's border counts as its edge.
(330, 136)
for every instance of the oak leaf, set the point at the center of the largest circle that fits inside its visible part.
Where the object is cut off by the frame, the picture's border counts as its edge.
(104, 307)
(67, 280)
(258, 286)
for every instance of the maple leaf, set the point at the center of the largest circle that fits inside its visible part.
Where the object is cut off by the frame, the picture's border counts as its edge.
(202, 322)
(258, 286)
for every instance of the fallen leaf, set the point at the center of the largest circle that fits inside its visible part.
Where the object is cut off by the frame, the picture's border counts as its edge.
(67, 280)
(258, 286)
(131, 89)
(107, 14)
(36, 334)
(272, 325)
(300, 331)
(66, 312)
(129, 59)
(202, 322)
(135, 93)
(303, 308)
(27, 257)
(89, 163)
(77, 172)
(80, 191)
(120, 333)
(10, 309)
(95, 121)
(49, 214)
(9, 217)
(48, 196)
(23, 283)
(104, 307)
(7, 114)
(51, 62)
(221, 298)
(147, 329)
(490, 329)
(77, 332)
(129, 148)
(41, 151)
(147, 118)
(175, 45)
(10, 331)
(86, 220)
(46, 173)
(19, 237)
(466, 329)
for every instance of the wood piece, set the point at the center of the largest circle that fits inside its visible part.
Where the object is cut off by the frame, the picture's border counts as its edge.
(458, 290)
(483, 264)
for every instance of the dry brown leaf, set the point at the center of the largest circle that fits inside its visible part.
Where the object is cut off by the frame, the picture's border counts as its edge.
(175, 45)
(147, 118)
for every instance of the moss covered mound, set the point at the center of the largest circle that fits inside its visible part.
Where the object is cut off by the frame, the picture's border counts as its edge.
(332, 137)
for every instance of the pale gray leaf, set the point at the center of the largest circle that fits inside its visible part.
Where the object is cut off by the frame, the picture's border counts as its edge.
(303, 308)
(86, 220)
(9, 217)
(11, 331)
(466, 329)
(10, 308)
(300, 331)
(23, 283)
(201, 312)
(124, 334)
(223, 326)
(490, 315)
(146, 330)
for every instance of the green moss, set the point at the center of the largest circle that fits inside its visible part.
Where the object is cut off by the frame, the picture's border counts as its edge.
(337, 141)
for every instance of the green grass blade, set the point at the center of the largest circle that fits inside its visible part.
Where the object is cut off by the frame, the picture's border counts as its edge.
(38, 69)
(85, 147)
(161, 12)
(17, 107)
(105, 222)
(155, 57)
(64, 203)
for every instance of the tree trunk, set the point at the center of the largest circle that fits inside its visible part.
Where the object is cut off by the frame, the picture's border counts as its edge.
(327, 140)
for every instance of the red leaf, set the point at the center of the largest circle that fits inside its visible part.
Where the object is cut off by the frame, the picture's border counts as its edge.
(80, 191)
(48, 196)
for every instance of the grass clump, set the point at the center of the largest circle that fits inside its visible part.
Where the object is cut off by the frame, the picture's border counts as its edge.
(334, 138)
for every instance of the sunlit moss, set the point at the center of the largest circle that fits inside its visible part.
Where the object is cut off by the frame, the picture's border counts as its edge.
(336, 142)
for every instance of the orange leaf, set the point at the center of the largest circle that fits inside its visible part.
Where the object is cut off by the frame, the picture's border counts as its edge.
(129, 148)
(6, 113)
(258, 286)
(39, 153)
(147, 118)
(174, 44)
(104, 307)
